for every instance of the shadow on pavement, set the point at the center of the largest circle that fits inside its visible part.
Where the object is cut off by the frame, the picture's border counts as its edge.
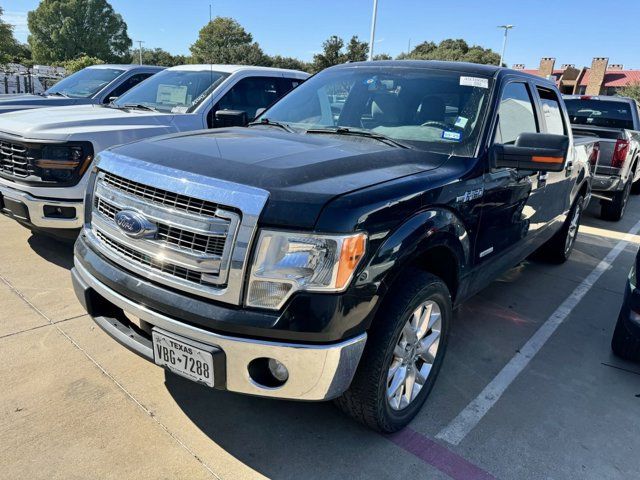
(282, 439)
(58, 252)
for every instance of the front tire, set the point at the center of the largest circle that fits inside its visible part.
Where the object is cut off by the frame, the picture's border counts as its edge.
(403, 354)
(624, 344)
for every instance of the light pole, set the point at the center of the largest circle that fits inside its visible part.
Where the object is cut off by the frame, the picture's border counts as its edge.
(373, 28)
(504, 42)
(140, 42)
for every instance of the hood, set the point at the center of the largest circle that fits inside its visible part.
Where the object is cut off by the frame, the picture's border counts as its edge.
(302, 173)
(64, 123)
(22, 101)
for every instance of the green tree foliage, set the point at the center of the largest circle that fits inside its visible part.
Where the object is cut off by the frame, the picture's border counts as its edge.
(62, 30)
(157, 56)
(632, 90)
(357, 51)
(11, 50)
(333, 53)
(454, 50)
(278, 61)
(223, 40)
(81, 62)
(382, 56)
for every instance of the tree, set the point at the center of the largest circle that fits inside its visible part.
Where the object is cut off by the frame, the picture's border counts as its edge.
(157, 56)
(62, 30)
(331, 54)
(452, 50)
(382, 56)
(81, 62)
(357, 51)
(223, 40)
(10, 49)
(632, 90)
(278, 61)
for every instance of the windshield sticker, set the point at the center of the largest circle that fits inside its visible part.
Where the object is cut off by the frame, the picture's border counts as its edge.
(474, 82)
(179, 109)
(172, 94)
(461, 122)
(455, 136)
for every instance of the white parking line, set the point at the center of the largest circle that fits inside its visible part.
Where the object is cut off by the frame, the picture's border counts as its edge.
(468, 418)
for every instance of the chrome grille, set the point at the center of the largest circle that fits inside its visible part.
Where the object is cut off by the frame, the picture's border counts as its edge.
(148, 261)
(15, 160)
(197, 233)
(181, 238)
(162, 197)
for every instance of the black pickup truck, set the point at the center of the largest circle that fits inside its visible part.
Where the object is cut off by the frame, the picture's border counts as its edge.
(319, 252)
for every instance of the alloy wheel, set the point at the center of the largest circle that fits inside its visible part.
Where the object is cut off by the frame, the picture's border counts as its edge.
(413, 355)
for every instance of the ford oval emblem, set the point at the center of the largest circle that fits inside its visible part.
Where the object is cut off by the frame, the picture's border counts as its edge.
(134, 225)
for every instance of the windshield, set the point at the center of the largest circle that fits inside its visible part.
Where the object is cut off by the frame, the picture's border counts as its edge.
(434, 110)
(85, 83)
(175, 91)
(600, 113)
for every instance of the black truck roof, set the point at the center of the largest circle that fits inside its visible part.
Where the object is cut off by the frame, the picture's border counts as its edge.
(464, 67)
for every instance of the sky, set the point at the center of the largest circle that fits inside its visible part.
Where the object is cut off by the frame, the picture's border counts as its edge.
(572, 31)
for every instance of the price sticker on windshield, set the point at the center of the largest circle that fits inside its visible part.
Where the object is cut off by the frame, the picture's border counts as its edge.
(474, 82)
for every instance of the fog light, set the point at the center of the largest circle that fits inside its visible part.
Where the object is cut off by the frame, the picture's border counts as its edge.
(278, 370)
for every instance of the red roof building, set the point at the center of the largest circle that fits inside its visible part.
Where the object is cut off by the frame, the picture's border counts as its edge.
(601, 78)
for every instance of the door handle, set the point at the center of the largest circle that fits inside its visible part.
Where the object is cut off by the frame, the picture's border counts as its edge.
(568, 169)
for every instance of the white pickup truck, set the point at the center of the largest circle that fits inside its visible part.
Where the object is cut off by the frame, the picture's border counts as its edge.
(45, 153)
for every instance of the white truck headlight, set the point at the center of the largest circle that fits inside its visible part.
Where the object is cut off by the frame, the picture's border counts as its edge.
(286, 262)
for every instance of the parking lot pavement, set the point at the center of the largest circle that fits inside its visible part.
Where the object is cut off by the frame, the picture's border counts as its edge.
(75, 404)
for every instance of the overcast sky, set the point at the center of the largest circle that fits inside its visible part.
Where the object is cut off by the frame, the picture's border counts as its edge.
(572, 31)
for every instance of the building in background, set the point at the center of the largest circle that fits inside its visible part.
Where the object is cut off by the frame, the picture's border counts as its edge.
(601, 78)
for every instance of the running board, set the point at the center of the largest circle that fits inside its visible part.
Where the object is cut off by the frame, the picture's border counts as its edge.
(601, 197)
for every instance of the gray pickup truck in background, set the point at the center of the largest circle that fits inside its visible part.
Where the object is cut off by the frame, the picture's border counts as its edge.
(615, 121)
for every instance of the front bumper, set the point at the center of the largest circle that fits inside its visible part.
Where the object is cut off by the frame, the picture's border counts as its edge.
(30, 210)
(316, 372)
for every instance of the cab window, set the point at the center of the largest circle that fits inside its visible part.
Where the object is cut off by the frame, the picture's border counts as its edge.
(551, 112)
(515, 114)
(249, 95)
(127, 85)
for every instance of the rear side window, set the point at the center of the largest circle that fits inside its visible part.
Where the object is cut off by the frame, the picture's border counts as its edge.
(551, 112)
(515, 114)
(127, 85)
(600, 113)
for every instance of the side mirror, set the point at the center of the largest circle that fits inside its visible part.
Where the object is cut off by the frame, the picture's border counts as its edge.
(259, 112)
(113, 99)
(533, 152)
(231, 118)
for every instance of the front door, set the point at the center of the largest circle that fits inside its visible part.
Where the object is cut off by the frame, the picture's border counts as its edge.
(512, 202)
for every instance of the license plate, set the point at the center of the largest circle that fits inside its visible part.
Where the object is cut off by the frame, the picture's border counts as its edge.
(183, 357)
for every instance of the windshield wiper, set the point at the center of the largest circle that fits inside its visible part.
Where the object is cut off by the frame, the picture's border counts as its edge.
(139, 106)
(356, 132)
(58, 94)
(273, 123)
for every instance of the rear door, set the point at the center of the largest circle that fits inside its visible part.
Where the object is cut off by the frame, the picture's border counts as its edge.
(555, 199)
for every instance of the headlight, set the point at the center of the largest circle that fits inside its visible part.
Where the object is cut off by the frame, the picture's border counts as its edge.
(60, 161)
(287, 262)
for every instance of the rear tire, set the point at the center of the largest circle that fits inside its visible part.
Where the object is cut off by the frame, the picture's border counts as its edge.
(558, 249)
(624, 344)
(614, 210)
(370, 398)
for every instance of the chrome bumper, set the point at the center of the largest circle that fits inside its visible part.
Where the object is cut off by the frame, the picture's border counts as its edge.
(316, 372)
(606, 183)
(35, 208)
